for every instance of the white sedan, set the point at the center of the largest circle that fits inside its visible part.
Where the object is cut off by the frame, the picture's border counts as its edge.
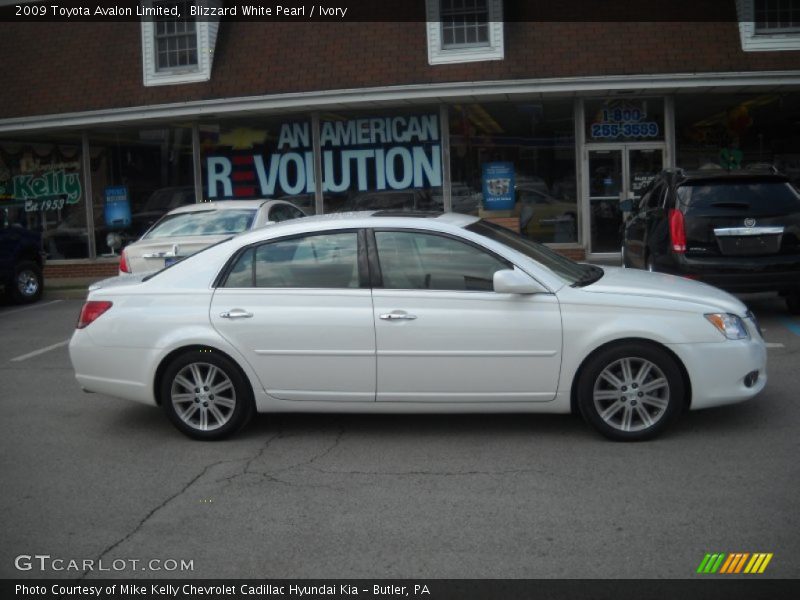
(188, 229)
(386, 312)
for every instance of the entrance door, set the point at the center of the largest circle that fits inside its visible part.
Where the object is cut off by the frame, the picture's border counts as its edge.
(617, 174)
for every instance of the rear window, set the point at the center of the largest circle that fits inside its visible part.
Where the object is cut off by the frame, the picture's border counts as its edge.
(206, 222)
(756, 197)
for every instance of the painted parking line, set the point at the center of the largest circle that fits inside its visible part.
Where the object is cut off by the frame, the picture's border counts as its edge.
(39, 305)
(773, 345)
(792, 326)
(39, 351)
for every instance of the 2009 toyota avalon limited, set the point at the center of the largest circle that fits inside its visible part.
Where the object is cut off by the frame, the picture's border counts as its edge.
(412, 312)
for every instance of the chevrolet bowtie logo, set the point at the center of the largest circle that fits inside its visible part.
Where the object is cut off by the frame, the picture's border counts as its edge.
(735, 562)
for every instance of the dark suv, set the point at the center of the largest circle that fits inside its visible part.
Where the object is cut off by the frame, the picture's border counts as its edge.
(21, 262)
(737, 230)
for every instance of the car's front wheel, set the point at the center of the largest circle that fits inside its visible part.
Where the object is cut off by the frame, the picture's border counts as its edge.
(26, 285)
(205, 395)
(630, 391)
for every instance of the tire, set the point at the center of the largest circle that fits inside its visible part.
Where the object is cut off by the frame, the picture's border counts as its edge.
(793, 302)
(26, 285)
(193, 388)
(605, 381)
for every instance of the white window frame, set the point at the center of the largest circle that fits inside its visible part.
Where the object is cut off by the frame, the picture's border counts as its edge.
(176, 75)
(494, 50)
(761, 41)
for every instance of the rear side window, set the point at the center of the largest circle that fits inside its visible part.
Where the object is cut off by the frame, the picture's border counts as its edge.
(313, 261)
(746, 197)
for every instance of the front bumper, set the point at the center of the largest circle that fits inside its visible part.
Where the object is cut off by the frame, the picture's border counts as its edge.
(718, 371)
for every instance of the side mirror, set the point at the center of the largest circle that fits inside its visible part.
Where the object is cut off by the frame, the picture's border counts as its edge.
(511, 281)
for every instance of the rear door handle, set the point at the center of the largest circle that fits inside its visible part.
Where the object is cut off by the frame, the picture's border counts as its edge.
(236, 313)
(398, 315)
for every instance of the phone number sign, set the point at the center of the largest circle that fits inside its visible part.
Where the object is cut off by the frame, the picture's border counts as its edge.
(624, 122)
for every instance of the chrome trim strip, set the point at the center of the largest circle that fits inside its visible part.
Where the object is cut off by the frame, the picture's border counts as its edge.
(745, 231)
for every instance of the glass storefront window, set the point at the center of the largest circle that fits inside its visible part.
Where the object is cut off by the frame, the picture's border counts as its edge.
(138, 175)
(259, 158)
(624, 120)
(732, 131)
(519, 160)
(42, 189)
(389, 159)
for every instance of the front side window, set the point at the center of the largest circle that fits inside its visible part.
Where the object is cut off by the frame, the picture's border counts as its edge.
(421, 261)
(204, 222)
(313, 261)
(284, 212)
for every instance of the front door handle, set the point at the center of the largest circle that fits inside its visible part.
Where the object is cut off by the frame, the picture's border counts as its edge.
(236, 313)
(398, 315)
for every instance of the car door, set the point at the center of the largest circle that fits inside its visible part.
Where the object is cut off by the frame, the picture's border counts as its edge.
(444, 335)
(300, 309)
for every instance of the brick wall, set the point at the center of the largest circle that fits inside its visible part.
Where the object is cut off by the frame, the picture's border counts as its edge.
(100, 268)
(53, 68)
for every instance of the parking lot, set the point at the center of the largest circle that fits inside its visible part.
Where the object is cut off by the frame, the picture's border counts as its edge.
(87, 477)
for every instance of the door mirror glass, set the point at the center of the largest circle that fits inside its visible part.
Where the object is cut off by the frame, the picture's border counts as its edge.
(510, 281)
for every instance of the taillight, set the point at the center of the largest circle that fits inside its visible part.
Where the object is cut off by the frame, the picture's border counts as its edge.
(123, 263)
(91, 310)
(677, 231)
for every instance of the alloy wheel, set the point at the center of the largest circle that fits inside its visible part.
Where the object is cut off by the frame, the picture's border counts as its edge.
(631, 394)
(203, 396)
(27, 283)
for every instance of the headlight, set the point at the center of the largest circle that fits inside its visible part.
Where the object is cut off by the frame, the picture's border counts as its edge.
(731, 326)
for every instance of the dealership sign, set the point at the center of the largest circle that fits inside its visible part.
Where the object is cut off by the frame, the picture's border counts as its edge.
(387, 153)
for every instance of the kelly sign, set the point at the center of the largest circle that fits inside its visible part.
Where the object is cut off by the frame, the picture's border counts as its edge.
(385, 153)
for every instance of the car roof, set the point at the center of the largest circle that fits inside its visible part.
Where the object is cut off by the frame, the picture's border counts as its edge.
(722, 175)
(367, 218)
(221, 205)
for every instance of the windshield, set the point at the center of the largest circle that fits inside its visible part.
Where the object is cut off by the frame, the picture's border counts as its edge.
(206, 222)
(560, 265)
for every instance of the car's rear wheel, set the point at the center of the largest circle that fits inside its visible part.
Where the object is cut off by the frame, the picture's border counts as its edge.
(26, 285)
(205, 395)
(630, 391)
(793, 302)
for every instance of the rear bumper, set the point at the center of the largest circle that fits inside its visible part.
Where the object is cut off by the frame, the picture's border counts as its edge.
(740, 274)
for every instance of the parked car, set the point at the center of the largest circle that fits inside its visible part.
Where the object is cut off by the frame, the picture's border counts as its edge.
(185, 230)
(21, 264)
(69, 238)
(408, 200)
(543, 217)
(739, 231)
(412, 312)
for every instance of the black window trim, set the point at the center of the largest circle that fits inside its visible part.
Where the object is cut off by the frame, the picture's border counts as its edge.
(361, 259)
(375, 267)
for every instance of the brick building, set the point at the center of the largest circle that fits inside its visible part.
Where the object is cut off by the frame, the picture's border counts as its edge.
(477, 106)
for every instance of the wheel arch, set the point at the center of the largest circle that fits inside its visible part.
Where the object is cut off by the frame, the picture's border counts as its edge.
(162, 366)
(687, 382)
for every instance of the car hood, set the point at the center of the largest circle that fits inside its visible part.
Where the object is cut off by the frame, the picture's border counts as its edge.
(631, 282)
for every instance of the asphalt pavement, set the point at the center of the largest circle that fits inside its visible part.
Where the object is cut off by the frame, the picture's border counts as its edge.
(90, 478)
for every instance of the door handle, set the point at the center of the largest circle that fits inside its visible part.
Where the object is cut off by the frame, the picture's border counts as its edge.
(398, 316)
(236, 313)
